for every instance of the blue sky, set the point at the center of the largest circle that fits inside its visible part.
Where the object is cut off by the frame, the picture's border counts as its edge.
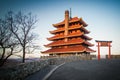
(102, 17)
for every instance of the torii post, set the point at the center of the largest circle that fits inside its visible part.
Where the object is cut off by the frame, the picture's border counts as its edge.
(104, 44)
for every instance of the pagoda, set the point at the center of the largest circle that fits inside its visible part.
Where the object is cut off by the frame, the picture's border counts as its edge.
(69, 38)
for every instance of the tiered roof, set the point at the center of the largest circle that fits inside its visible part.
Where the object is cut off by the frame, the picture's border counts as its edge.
(72, 41)
(70, 35)
(74, 19)
(74, 49)
(77, 40)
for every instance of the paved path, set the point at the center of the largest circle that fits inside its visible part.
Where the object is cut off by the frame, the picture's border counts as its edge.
(40, 75)
(88, 70)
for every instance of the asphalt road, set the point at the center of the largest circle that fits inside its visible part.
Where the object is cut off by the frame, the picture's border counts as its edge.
(40, 75)
(88, 70)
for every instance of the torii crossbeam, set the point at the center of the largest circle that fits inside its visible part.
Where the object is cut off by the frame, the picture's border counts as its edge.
(104, 44)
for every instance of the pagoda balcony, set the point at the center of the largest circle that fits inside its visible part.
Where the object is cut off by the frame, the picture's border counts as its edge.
(58, 30)
(62, 42)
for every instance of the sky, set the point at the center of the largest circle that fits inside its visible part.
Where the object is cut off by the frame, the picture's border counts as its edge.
(102, 17)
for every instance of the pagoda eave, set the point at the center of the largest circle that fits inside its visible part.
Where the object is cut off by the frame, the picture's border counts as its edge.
(48, 52)
(89, 44)
(88, 38)
(79, 48)
(86, 31)
(62, 36)
(81, 20)
(75, 19)
(63, 44)
(88, 50)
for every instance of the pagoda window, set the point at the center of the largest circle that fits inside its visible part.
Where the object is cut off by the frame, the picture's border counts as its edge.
(69, 39)
(82, 30)
(70, 32)
(53, 47)
(62, 25)
(70, 25)
(78, 38)
(78, 30)
(61, 33)
(80, 23)
(74, 23)
(57, 34)
(73, 38)
(85, 45)
(77, 23)
(73, 31)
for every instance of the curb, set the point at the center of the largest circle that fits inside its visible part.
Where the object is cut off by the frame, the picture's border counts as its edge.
(53, 70)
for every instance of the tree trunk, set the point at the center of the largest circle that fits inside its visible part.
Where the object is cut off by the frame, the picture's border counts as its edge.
(2, 57)
(23, 55)
(3, 60)
(3, 53)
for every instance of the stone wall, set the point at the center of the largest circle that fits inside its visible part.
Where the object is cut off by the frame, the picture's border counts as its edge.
(19, 72)
(114, 56)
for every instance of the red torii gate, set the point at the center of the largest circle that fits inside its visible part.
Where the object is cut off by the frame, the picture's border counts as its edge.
(104, 44)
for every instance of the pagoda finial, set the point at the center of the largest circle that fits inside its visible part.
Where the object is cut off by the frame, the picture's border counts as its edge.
(70, 14)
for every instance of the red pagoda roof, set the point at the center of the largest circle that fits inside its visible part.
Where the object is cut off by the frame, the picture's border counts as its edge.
(63, 36)
(58, 30)
(73, 41)
(73, 49)
(62, 42)
(70, 28)
(74, 19)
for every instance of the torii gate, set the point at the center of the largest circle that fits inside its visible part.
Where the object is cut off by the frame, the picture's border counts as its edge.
(104, 44)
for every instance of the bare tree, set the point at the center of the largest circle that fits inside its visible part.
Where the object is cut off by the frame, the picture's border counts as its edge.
(7, 43)
(21, 26)
(32, 47)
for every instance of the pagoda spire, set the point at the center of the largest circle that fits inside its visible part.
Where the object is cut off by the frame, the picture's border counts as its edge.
(66, 24)
(70, 13)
